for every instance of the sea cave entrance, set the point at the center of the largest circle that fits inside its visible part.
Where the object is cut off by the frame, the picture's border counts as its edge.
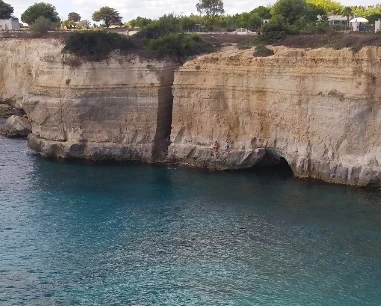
(272, 163)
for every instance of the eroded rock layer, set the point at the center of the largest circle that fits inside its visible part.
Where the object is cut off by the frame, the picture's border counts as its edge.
(318, 109)
(116, 109)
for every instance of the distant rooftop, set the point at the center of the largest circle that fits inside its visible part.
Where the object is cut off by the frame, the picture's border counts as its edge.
(337, 18)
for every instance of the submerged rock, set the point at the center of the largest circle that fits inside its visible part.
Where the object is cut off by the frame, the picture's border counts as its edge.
(16, 126)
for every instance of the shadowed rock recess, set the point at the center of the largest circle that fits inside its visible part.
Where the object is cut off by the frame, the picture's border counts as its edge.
(316, 110)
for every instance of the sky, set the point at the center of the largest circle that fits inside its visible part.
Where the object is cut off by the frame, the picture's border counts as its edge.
(130, 9)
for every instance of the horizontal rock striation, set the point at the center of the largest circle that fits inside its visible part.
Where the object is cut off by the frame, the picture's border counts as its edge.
(318, 109)
(116, 109)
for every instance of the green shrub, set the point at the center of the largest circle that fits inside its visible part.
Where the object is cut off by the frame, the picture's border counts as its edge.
(170, 44)
(164, 25)
(274, 31)
(262, 51)
(96, 45)
(42, 25)
(196, 37)
(244, 46)
(178, 45)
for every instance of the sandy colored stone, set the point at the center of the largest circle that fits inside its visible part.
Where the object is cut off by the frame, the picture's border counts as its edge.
(16, 126)
(5, 110)
(115, 109)
(319, 109)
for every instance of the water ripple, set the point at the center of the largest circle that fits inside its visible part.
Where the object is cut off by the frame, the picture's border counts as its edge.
(83, 234)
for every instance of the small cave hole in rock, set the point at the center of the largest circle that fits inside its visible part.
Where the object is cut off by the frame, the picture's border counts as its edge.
(273, 164)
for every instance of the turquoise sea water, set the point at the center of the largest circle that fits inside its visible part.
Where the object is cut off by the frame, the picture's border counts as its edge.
(84, 234)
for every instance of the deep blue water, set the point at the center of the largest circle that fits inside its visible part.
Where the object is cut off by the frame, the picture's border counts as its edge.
(85, 234)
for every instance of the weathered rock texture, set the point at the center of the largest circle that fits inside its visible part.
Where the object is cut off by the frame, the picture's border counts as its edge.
(16, 126)
(116, 109)
(319, 109)
(5, 110)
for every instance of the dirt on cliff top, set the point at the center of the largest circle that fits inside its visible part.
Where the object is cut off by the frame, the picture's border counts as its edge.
(335, 40)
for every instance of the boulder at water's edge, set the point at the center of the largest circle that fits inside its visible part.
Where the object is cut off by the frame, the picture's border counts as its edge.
(16, 126)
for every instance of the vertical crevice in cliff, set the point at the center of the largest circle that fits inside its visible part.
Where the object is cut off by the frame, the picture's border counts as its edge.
(163, 123)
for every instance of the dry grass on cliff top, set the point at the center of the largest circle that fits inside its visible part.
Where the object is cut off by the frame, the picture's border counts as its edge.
(334, 40)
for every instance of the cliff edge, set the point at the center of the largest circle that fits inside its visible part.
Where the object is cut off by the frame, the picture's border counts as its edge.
(318, 109)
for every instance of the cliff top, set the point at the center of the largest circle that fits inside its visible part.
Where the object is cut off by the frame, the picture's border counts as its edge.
(242, 58)
(335, 40)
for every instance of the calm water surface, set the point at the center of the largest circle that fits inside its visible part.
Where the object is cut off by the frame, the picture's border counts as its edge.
(82, 234)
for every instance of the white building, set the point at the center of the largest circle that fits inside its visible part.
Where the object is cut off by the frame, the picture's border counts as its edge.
(11, 24)
(377, 26)
(357, 22)
(242, 31)
(337, 20)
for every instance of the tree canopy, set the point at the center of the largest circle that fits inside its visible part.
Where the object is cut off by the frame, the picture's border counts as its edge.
(108, 15)
(328, 6)
(262, 11)
(248, 20)
(83, 24)
(211, 8)
(40, 9)
(73, 16)
(290, 10)
(68, 24)
(6, 10)
(139, 22)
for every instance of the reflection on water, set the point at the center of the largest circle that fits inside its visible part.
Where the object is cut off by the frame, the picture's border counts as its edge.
(85, 234)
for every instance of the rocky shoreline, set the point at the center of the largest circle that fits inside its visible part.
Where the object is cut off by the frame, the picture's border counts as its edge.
(13, 122)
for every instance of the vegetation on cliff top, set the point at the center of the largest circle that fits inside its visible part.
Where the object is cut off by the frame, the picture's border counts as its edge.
(166, 36)
(162, 38)
(96, 45)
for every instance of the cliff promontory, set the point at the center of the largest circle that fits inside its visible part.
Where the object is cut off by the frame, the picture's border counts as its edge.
(318, 109)
(120, 108)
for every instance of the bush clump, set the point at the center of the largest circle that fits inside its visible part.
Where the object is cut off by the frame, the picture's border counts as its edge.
(262, 51)
(177, 45)
(274, 31)
(158, 28)
(196, 37)
(96, 45)
(42, 26)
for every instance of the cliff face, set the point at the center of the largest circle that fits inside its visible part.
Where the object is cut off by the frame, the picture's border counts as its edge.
(317, 109)
(116, 109)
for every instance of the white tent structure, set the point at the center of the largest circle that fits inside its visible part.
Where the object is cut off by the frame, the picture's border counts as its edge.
(359, 19)
(355, 23)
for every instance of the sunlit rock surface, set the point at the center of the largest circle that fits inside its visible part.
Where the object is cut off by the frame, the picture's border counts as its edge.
(116, 109)
(319, 109)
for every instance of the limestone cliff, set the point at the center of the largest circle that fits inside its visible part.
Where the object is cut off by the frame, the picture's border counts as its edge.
(319, 109)
(116, 109)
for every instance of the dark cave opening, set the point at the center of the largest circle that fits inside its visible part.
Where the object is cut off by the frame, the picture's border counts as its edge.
(274, 164)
